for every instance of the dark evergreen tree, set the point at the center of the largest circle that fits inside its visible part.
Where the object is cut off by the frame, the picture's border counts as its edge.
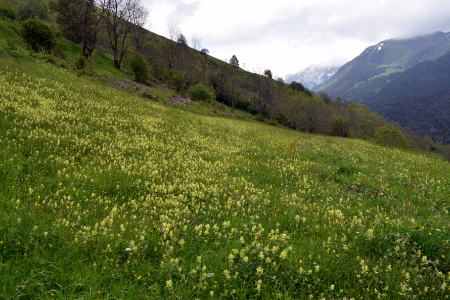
(234, 61)
(268, 73)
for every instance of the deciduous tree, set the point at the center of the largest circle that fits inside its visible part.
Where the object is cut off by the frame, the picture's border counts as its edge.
(196, 42)
(339, 126)
(391, 135)
(78, 22)
(119, 18)
(181, 40)
(139, 34)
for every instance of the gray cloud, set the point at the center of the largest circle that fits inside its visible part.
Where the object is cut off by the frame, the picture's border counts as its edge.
(182, 11)
(289, 36)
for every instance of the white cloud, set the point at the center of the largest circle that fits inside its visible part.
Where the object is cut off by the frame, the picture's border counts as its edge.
(287, 36)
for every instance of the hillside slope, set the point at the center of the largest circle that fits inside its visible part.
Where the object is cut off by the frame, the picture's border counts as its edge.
(104, 194)
(385, 58)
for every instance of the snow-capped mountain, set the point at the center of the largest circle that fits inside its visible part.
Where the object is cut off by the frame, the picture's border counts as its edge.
(311, 76)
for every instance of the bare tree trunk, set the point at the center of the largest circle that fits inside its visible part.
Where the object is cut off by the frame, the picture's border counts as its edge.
(119, 17)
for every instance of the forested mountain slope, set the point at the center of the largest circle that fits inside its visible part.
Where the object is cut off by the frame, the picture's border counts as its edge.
(385, 58)
(418, 98)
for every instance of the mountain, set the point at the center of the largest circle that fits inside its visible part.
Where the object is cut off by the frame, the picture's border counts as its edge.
(418, 97)
(382, 59)
(311, 77)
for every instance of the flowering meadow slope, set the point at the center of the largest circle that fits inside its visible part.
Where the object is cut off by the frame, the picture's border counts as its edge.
(104, 194)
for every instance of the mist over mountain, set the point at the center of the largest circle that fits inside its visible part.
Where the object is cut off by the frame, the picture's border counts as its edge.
(312, 76)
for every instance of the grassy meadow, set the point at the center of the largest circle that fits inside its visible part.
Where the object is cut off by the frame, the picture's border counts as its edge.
(106, 195)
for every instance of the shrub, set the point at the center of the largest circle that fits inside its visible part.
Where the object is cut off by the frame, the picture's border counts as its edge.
(167, 75)
(38, 35)
(140, 68)
(32, 8)
(199, 92)
(219, 106)
(390, 135)
(178, 81)
(7, 13)
(259, 117)
(273, 122)
(446, 153)
(12, 43)
(80, 62)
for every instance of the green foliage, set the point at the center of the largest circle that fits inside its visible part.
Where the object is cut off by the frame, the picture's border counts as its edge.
(140, 68)
(178, 80)
(260, 117)
(71, 19)
(368, 129)
(390, 135)
(200, 92)
(167, 75)
(219, 106)
(7, 13)
(31, 9)
(297, 86)
(38, 34)
(446, 153)
(339, 126)
(273, 122)
(234, 61)
(80, 62)
(84, 66)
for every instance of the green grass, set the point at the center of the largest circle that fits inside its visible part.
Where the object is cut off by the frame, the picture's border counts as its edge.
(389, 72)
(161, 94)
(106, 195)
(241, 112)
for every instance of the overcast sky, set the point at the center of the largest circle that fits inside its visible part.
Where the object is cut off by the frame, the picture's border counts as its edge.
(286, 36)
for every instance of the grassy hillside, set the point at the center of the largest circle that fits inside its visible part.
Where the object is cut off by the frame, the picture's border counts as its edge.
(104, 194)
